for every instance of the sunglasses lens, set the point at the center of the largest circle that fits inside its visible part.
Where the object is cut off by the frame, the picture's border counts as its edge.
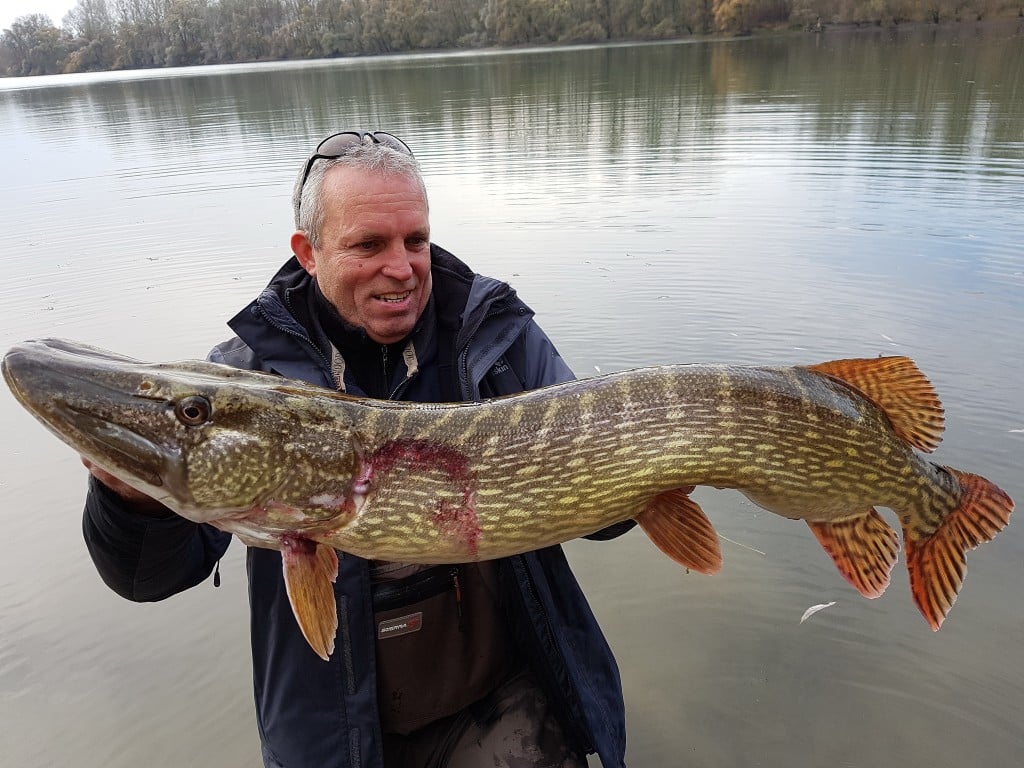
(388, 140)
(339, 144)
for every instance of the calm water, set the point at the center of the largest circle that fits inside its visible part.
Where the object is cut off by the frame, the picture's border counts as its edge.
(765, 201)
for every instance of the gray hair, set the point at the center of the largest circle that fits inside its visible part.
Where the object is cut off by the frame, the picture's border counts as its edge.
(307, 200)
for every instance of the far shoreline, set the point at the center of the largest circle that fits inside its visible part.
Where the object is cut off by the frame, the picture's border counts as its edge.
(1015, 24)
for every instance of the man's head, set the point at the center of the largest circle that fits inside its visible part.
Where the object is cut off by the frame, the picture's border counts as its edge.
(363, 231)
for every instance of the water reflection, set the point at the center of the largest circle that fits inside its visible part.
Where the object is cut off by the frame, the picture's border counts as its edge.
(769, 200)
(886, 86)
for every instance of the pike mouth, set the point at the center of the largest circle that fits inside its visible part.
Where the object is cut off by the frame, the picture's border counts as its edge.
(38, 375)
(115, 445)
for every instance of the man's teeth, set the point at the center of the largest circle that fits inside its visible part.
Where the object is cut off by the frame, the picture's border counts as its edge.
(395, 297)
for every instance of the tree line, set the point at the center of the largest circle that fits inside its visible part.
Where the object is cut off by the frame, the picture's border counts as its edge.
(101, 35)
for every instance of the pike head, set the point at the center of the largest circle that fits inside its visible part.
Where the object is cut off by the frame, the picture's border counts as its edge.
(209, 441)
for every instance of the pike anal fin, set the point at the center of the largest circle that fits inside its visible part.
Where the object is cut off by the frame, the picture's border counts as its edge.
(679, 528)
(310, 570)
(938, 563)
(864, 549)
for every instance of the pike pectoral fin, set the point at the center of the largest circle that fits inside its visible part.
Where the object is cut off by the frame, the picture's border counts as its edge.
(937, 564)
(310, 569)
(864, 549)
(897, 386)
(679, 528)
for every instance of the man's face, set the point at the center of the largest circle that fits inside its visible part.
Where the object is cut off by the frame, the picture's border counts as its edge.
(373, 263)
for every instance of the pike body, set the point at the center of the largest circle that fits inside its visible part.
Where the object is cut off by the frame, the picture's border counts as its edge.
(290, 466)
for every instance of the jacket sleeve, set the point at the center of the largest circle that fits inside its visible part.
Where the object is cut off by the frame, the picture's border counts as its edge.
(146, 558)
(544, 366)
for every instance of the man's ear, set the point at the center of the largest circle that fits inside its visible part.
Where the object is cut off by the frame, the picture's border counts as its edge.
(303, 251)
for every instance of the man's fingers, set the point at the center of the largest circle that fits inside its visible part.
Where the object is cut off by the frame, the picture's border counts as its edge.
(119, 487)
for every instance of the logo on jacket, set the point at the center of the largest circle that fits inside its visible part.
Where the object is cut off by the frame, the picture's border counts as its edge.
(403, 625)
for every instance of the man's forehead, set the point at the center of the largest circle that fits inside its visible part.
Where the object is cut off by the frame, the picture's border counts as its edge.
(368, 221)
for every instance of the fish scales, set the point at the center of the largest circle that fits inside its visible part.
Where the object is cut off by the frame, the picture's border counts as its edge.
(507, 437)
(280, 462)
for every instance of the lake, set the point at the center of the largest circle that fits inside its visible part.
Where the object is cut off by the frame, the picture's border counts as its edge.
(779, 200)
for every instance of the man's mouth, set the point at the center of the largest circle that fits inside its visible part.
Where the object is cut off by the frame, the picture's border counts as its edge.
(393, 298)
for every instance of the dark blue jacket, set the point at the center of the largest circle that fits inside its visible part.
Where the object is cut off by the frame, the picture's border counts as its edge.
(314, 714)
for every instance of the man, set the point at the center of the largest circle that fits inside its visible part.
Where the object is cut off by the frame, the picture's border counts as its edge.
(493, 664)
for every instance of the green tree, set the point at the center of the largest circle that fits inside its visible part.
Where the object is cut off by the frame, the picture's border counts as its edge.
(33, 46)
(113, 34)
(243, 30)
(184, 25)
(142, 40)
(94, 45)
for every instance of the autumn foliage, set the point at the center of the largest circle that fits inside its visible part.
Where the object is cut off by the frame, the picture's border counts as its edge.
(133, 34)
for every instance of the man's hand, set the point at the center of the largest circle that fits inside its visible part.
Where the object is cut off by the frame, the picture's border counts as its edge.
(139, 501)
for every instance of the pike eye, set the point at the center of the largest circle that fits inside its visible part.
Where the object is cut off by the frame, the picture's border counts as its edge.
(193, 411)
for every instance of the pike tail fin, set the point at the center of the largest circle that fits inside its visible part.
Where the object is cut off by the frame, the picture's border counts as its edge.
(309, 571)
(864, 549)
(937, 564)
(679, 528)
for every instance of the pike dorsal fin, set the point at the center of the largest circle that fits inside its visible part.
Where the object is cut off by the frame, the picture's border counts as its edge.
(310, 570)
(679, 528)
(897, 386)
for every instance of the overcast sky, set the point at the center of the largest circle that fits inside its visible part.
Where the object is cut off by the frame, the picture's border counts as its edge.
(12, 9)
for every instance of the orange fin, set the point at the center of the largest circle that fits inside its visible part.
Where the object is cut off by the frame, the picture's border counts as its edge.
(937, 564)
(309, 571)
(679, 528)
(897, 386)
(864, 549)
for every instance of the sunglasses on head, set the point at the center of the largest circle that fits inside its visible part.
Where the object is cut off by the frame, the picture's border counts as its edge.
(340, 144)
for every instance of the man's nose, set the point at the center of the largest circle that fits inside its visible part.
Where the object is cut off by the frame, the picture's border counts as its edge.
(397, 262)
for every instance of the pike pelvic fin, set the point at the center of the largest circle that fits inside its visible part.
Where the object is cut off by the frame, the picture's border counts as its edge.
(679, 528)
(938, 563)
(309, 571)
(897, 386)
(864, 549)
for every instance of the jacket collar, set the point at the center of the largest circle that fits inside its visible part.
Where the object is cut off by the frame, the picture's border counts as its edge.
(484, 315)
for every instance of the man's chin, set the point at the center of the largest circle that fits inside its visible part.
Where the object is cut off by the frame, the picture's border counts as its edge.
(389, 333)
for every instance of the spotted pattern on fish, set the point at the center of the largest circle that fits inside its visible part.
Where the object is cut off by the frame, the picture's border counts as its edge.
(278, 460)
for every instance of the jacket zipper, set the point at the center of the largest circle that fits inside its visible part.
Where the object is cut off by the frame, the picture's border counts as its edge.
(401, 386)
(577, 717)
(457, 585)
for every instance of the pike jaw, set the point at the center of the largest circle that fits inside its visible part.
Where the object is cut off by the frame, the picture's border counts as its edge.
(208, 441)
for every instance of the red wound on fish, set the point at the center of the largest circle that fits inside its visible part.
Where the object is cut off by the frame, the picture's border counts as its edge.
(679, 528)
(420, 453)
(938, 563)
(454, 520)
(309, 571)
(459, 522)
(864, 549)
(899, 388)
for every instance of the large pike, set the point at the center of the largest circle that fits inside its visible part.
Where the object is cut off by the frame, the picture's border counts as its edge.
(308, 471)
